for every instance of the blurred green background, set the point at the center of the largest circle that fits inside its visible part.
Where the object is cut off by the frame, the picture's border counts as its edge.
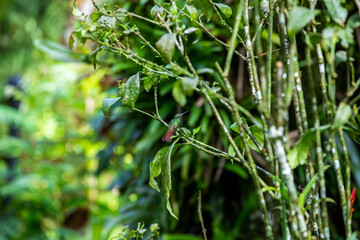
(67, 172)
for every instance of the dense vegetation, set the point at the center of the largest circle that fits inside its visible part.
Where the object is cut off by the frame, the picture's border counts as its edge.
(267, 150)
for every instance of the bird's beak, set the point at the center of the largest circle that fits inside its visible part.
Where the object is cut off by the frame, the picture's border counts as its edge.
(184, 113)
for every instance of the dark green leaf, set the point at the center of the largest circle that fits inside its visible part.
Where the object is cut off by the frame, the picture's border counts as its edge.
(166, 176)
(342, 115)
(155, 167)
(205, 8)
(299, 17)
(166, 46)
(129, 92)
(298, 154)
(337, 12)
(312, 39)
(178, 94)
(107, 104)
(258, 135)
(225, 9)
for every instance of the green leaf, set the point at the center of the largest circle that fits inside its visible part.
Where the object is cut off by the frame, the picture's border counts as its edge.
(258, 135)
(337, 12)
(92, 57)
(342, 115)
(192, 11)
(155, 167)
(57, 51)
(299, 18)
(196, 130)
(225, 9)
(106, 22)
(166, 46)
(186, 131)
(149, 81)
(205, 8)
(306, 191)
(188, 85)
(157, 10)
(71, 41)
(166, 176)
(129, 92)
(190, 30)
(107, 104)
(298, 154)
(178, 94)
(311, 39)
(76, 12)
(95, 15)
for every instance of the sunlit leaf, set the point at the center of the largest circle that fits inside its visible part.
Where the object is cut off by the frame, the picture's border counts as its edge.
(107, 104)
(337, 12)
(129, 92)
(225, 9)
(299, 17)
(166, 46)
(192, 11)
(76, 12)
(196, 130)
(190, 30)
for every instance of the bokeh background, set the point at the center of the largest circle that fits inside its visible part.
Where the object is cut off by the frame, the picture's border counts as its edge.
(67, 172)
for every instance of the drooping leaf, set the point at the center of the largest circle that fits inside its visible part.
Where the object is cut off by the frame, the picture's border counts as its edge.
(299, 18)
(337, 12)
(178, 94)
(155, 167)
(76, 12)
(107, 104)
(166, 176)
(166, 46)
(225, 9)
(342, 115)
(205, 8)
(129, 92)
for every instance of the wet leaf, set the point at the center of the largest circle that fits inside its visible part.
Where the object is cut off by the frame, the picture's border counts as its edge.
(166, 46)
(107, 104)
(225, 9)
(299, 18)
(129, 92)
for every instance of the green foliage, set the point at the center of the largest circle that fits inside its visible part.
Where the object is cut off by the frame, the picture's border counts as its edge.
(299, 18)
(129, 91)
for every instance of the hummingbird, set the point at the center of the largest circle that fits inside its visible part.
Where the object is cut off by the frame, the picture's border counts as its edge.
(174, 124)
